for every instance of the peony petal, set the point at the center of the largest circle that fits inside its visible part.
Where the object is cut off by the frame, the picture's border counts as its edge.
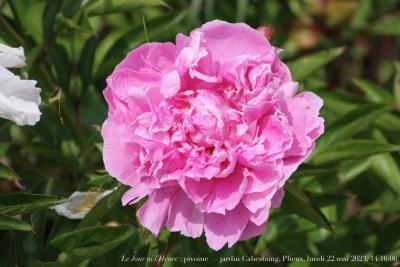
(184, 217)
(276, 200)
(226, 40)
(228, 228)
(170, 84)
(115, 149)
(261, 215)
(227, 192)
(135, 194)
(154, 212)
(252, 230)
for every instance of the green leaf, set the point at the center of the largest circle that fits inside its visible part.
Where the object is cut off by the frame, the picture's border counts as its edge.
(310, 170)
(386, 167)
(373, 92)
(74, 24)
(350, 124)
(301, 68)
(101, 180)
(23, 203)
(388, 238)
(339, 101)
(103, 7)
(3, 149)
(88, 243)
(353, 168)
(396, 86)
(116, 46)
(350, 149)
(10, 223)
(49, 18)
(102, 207)
(387, 25)
(324, 199)
(8, 247)
(86, 61)
(7, 173)
(392, 206)
(62, 65)
(298, 202)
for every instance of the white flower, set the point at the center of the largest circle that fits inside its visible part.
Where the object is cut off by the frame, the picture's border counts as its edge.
(11, 57)
(19, 99)
(79, 204)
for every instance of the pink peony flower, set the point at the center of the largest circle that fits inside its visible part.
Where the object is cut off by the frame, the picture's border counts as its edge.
(209, 129)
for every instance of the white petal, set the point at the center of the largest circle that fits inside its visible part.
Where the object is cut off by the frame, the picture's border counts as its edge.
(19, 99)
(79, 204)
(11, 57)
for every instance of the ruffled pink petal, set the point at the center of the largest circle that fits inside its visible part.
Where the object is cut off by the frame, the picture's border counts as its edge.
(252, 230)
(153, 214)
(228, 228)
(226, 40)
(184, 217)
(276, 200)
(150, 56)
(257, 200)
(261, 215)
(227, 192)
(135, 194)
(115, 149)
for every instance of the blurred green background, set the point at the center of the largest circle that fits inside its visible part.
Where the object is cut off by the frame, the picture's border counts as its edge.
(343, 201)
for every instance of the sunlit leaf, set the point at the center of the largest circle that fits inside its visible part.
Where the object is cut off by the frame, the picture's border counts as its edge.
(351, 149)
(301, 68)
(396, 86)
(386, 167)
(7, 173)
(387, 25)
(350, 124)
(10, 223)
(102, 7)
(22, 203)
(373, 92)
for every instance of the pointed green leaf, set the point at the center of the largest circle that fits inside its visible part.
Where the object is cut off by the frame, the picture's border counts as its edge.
(396, 86)
(386, 167)
(350, 124)
(86, 60)
(373, 92)
(387, 25)
(103, 7)
(3, 149)
(298, 202)
(350, 149)
(10, 223)
(87, 243)
(73, 23)
(392, 206)
(22, 203)
(310, 170)
(353, 168)
(301, 68)
(7, 173)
